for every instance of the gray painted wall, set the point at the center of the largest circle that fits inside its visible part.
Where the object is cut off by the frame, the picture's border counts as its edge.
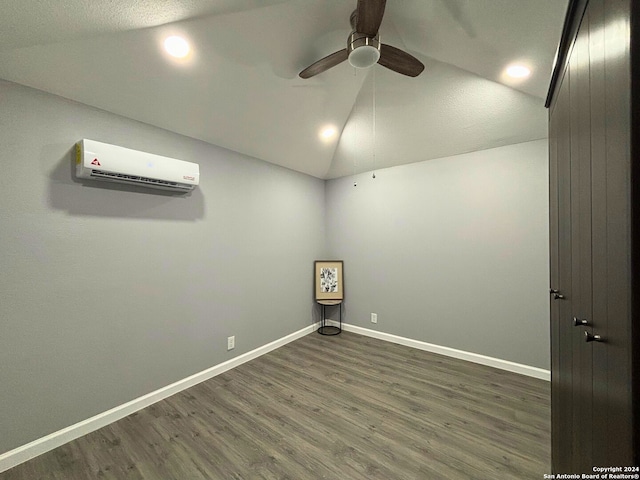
(107, 292)
(452, 252)
(110, 292)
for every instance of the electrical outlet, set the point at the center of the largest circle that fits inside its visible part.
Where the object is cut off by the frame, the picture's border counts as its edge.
(374, 318)
(231, 342)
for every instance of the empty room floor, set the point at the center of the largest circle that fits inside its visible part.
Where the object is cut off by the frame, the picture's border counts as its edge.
(342, 407)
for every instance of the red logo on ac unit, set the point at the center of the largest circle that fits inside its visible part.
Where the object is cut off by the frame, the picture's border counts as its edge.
(96, 162)
(188, 177)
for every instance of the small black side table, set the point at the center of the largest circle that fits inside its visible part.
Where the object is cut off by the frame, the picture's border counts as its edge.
(329, 329)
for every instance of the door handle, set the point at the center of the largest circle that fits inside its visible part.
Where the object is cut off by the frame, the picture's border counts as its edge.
(588, 337)
(579, 321)
(556, 294)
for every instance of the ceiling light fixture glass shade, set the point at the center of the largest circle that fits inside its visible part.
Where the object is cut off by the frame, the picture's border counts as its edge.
(363, 51)
(364, 57)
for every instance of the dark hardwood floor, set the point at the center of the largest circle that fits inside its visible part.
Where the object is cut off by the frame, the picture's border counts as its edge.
(343, 407)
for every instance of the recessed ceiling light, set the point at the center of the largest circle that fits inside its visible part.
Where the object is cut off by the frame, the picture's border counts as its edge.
(177, 46)
(327, 132)
(518, 71)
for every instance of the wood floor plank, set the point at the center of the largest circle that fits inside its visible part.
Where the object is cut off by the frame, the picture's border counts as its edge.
(342, 407)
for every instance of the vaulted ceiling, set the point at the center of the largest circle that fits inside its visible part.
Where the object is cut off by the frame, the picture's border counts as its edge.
(239, 88)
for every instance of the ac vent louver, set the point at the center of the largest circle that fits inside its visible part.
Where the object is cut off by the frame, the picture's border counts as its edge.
(136, 179)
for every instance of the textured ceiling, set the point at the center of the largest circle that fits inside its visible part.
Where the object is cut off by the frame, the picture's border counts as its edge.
(239, 89)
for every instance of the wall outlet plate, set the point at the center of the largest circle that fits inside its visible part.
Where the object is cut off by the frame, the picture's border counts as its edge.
(374, 318)
(231, 342)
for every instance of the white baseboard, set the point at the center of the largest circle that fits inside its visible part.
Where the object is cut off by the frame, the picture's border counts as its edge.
(42, 445)
(450, 352)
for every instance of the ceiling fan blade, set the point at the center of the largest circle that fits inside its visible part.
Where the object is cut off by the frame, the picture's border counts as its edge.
(369, 16)
(325, 64)
(400, 61)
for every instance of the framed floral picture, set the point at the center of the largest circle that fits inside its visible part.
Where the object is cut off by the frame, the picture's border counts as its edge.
(329, 284)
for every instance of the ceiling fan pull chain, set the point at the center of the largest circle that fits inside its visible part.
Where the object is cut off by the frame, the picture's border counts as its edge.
(355, 134)
(374, 122)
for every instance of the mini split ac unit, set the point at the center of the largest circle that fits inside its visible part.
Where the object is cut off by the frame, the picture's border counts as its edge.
(101, 161)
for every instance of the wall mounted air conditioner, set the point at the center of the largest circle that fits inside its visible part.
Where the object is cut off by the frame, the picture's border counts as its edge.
(101, 161)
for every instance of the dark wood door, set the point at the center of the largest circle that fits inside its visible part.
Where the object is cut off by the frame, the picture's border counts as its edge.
(593, 227)
(616, 412)
(580, 318)
(561, 329)
(554, 133)
(603, 447)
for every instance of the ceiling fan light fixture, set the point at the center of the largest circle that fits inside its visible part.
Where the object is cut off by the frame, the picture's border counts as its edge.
(364, 57)
(364, 51)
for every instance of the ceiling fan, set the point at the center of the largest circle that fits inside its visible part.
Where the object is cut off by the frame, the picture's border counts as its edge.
(364, 48)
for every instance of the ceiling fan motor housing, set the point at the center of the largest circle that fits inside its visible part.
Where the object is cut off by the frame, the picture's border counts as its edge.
(364, 51)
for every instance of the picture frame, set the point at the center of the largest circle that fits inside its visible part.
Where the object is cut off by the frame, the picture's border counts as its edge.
(329, 282)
